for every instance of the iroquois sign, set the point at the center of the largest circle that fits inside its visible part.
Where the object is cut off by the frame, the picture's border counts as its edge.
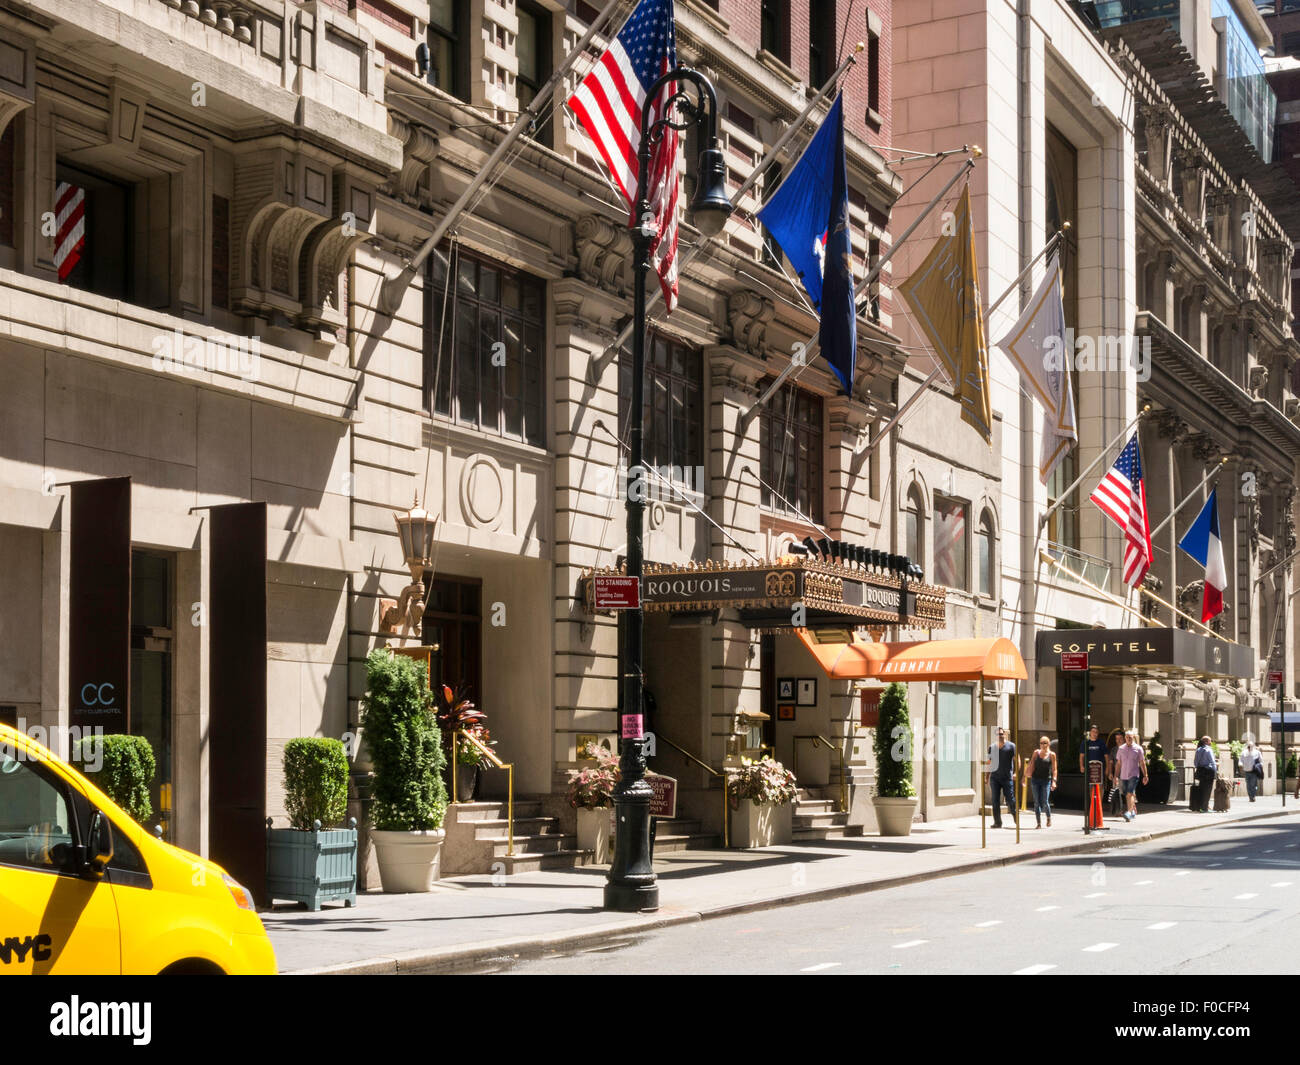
(827, 587)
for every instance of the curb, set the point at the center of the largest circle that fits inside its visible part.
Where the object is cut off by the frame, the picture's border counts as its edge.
(451, 959)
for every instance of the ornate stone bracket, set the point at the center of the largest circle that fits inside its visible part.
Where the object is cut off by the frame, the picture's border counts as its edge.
(329, 247)
(1174, 691)
(749, 314)
(419, 150)
(1258, 381)
(604, 253)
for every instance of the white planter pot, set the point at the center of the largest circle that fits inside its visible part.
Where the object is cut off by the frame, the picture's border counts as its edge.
(596, 833)
(895, 815)
(408, 861)
(761, 826)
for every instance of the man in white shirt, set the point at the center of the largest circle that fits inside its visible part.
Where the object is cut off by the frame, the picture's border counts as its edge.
(1250, 758)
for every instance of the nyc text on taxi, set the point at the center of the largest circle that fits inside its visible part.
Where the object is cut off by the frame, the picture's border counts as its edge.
(84, 889)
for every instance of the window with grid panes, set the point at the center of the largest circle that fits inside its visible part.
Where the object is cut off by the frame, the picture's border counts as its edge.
(484, 350)
(448, 34)
(790, 451)
(673, 425)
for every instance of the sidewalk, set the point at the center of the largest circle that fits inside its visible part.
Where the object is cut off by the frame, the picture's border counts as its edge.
(467, 920)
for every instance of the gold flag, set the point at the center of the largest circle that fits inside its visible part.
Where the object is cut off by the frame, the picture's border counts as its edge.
(944, 294)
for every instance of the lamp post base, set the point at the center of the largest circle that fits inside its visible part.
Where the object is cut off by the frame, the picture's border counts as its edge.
(631, 898)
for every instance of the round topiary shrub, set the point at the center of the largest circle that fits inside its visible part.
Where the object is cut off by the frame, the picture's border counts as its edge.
(125, 772)
(315, 782)
(405, 745)
(893, 746)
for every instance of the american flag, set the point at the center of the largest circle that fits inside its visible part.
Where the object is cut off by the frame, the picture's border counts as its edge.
(608, 103)
(1122, 497)
(70, 233)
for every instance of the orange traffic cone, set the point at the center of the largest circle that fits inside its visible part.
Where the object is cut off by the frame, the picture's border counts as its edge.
(1094, 808)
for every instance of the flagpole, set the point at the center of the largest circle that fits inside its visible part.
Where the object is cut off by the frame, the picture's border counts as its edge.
(1200, 487)
(596, 367)
(1042, 520)
(874, 272)
(865, 445)
(392, 288)
(1043, 556)
(1209, 631)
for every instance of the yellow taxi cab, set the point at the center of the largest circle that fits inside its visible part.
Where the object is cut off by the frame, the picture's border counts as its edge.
(84, 889)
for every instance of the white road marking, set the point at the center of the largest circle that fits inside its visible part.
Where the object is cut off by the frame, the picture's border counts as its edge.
(1160, 926)
(1247, 895)
(1142, 883)
(1269, 850)
(1095, 895)
(1044, 909)
(1033, 970)
(1184, 872)
(987, 924)
(1214, 865)
(819, 967)
(1097, 948)
(910, 943)
(1283, 883)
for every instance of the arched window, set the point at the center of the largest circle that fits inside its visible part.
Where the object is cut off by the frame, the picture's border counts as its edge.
(913, 528)
(985, 554)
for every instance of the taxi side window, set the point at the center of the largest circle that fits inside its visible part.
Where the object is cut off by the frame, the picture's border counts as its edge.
(35, 816)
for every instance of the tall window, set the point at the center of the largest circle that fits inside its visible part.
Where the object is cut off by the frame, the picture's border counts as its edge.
(93, 246)
(950, 543)
(533, 48)
(821, 41)
(453, 624)
(673, 420)
(913, 528)
(448, 46)
(774, 16)
(483, 351)
(771, 253)
(985, 556)
(873, 79)
(790, 451)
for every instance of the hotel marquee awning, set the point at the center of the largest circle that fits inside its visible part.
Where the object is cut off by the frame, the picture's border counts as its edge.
(1151, 650)
(994, 658)
(832, 594)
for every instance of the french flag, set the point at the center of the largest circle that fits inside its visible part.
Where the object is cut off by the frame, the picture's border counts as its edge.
(1202, 542)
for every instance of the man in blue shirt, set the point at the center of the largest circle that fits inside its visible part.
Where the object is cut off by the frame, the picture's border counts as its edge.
(1094, 750)
(1003, 767)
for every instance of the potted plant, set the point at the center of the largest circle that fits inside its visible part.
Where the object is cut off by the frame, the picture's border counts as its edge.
(1160, 774)
(122, 767)
(409, 797)
(895, 799)
(761, 793)
(591, 793)
(312, 861)
(456, 717)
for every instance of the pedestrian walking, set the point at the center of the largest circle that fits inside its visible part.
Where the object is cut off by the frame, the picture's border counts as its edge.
(1131, 764)
(1113, 743)
(1206, 770)
(1094, 750)
(1041, 775)
(1003, 768)
(1252, 768)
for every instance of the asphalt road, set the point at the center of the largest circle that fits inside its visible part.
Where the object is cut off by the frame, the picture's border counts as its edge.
(1223, 899)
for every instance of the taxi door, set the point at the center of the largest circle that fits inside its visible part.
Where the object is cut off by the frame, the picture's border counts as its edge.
(52, 918)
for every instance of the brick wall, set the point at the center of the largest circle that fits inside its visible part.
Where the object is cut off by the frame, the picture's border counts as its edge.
(743, 17)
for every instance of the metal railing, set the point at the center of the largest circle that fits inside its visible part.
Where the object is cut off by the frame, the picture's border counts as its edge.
(1081, 564)
(835, 749)
(491, 758)
(726, 835)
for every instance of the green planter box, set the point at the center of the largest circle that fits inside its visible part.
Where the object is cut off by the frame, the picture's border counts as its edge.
(312, 867)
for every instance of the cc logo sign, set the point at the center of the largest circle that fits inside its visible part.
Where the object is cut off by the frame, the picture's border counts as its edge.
(97, 695)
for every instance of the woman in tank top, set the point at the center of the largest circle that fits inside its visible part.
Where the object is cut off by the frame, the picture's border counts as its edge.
(1041, 772)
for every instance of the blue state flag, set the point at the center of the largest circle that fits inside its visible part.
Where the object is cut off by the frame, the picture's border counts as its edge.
(808, 216)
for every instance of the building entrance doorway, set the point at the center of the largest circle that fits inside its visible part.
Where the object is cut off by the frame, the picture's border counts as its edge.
(453, 623)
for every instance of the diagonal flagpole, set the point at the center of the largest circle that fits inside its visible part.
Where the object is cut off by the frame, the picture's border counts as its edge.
(810, 347)
(392, 288)
(596, 367)
(865, 444)
(1214, 472)
(1101, 456)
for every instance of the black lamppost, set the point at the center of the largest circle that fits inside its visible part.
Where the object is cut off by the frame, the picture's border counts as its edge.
(631, 885)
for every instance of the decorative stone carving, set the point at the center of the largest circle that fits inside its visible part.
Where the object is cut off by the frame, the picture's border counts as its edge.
(1171, 427)
(1219, 203)
(1148, 607)
(749, 314)
(1204, 447)
(1194, 180)
(327, 251)
(1258, 381)
(1143, 689)
(604, 253)
(17, 77)
(1174, 692)
(419, 150)
(1159, 130)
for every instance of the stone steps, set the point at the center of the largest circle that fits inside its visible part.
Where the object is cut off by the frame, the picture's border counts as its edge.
(815, 817)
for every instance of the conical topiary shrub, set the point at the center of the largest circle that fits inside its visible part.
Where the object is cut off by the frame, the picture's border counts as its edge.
(893, 746)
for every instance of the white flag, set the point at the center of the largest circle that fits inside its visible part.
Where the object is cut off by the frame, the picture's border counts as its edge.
(1037, 345)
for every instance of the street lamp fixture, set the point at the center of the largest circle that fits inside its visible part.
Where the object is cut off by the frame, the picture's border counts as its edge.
(415, 530)
(630, 886)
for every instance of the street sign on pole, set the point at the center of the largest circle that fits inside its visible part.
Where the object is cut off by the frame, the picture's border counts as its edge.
(613, 592)
(1275, 676)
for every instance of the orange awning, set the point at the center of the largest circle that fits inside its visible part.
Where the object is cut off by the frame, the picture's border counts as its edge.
(994, 658)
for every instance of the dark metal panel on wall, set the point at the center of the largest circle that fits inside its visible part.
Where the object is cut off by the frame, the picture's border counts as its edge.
(99, 605)
(237, 693)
